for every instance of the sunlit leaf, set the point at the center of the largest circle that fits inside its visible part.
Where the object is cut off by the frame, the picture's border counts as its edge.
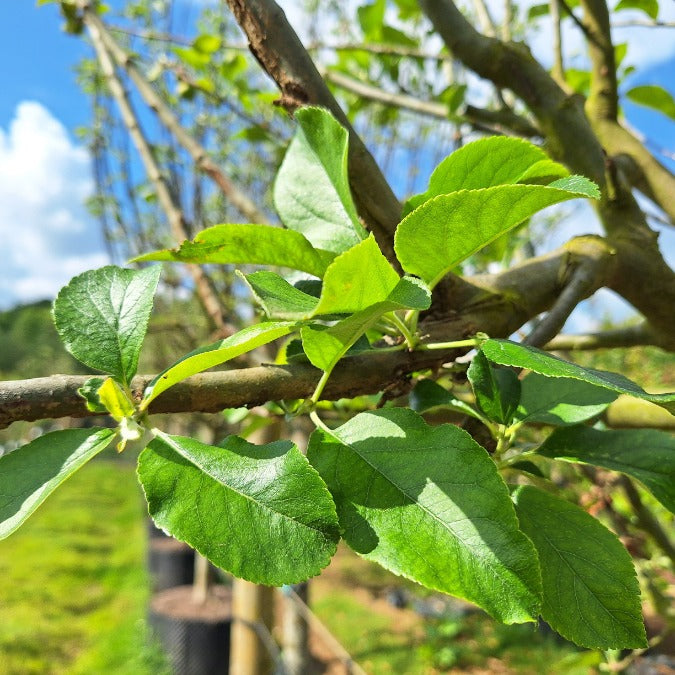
(428, 503)
(102, 316)
(260, 512)
(31, 473)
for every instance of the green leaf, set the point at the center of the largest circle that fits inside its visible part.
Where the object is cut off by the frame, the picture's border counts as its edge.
(428, 394)
(645, 454)
(217, 353)
(311, 191)
(259, 512)
(357, 279)
(31, 473)
(447, 229)
(649, 7)
(498, 160)
(207, 44)
(559, 401)
(654, 97)
(580, 186)
(193, 57)
(89, 392)
(428, 503)
(513, 354)
(114, 399)
(102, 316)
(371, 19)
(535, 11)
(248, 244)
(497, 390)
(591, 594)
(278, 298)
(324, 347)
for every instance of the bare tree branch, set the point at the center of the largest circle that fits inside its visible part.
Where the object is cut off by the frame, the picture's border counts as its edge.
(495, 304)
(173, 212)
(199, 154)
(487, 25)
(583, 280)
(603, 97)
(629, 336)
(511, 66)
(558, 70)
(643, 23)
(571, 139)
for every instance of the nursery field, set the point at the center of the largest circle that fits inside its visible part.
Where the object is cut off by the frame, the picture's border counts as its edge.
(73, 585)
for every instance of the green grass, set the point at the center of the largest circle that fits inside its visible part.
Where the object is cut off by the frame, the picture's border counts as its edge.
(73, 585)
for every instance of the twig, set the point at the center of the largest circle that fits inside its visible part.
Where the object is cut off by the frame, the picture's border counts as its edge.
(382, 50)
(579, 23)
(155, 36)
(508, 20)
(558, 64)
(504, 120)
(487, 25)
(172, 211)
(646, 519)
(379, 49)
(640, 23)
(630, 336)
(586, 277)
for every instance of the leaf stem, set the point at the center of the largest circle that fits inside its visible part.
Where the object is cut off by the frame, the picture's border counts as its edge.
(410, 338)
(318, 422)
(411, 318)
(320, 386)
(471, 342)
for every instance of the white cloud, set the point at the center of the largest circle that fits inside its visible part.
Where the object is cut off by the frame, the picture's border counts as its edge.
(45, 233)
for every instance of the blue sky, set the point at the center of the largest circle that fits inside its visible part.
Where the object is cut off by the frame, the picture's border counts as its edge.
(46, 236)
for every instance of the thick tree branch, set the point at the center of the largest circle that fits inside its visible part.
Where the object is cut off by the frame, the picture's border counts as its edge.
(174, 214)
(571, 139)
(495, 304)
(56, 396)
(649, 176)
(279, 51)
(199, 154)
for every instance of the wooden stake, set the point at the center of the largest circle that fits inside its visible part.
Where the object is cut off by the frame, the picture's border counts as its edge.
(252, 612)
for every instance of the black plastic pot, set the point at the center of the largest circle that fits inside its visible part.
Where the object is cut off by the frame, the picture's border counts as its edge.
(170, 563)
(195, 637)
